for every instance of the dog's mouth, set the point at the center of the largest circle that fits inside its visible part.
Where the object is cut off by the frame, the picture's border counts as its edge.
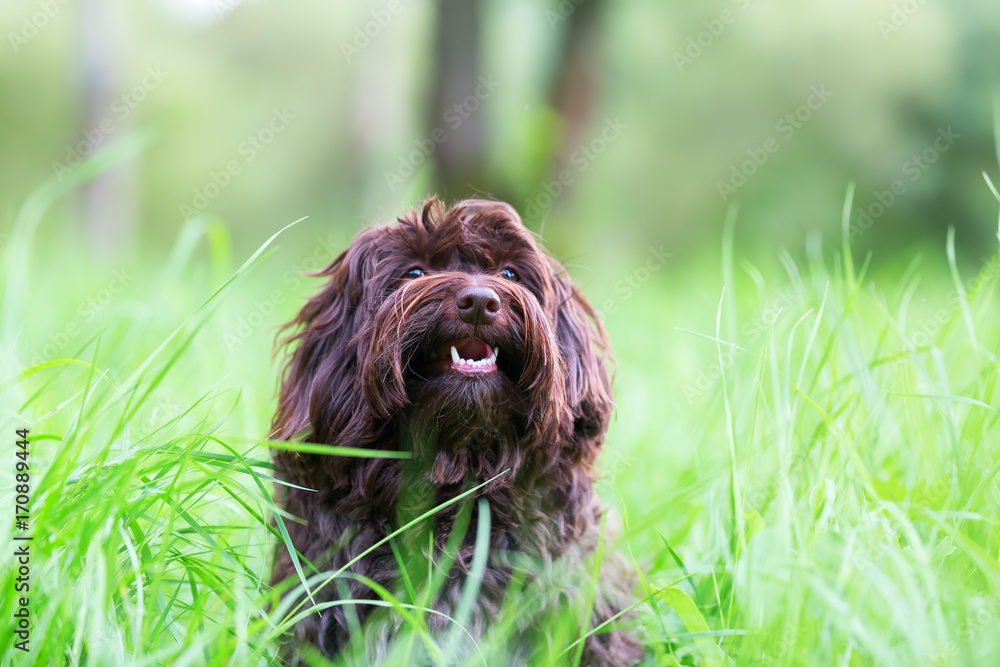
(467, 356)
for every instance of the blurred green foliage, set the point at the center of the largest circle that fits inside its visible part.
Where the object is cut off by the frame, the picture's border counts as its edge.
(695, 87)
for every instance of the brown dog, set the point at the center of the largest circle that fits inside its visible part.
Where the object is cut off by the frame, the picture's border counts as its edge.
(452, 337)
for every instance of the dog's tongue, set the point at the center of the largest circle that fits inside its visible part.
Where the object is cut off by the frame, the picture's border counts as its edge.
(473, 349)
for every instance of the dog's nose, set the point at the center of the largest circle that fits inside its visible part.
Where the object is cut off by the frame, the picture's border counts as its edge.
(477, 305)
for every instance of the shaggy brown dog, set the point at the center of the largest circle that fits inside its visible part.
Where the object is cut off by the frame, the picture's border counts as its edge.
(453, 338)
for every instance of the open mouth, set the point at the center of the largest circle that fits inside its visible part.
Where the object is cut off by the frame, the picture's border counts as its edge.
(469, 356)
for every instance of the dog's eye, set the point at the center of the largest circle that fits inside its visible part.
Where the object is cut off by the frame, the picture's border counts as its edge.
(414, 273)
(509, 274)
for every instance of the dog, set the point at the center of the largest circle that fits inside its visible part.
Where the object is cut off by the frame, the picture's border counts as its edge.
(452, 340)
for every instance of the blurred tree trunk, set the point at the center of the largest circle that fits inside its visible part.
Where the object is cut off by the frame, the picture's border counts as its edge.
(106, 203)
(574, 87)
(460, 158)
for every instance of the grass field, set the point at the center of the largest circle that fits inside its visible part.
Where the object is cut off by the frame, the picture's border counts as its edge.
(803, 463)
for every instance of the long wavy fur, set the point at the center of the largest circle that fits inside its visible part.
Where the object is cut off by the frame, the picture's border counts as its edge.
(356, 377)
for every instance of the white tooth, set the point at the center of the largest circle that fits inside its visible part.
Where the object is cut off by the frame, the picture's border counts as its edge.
(454, 355)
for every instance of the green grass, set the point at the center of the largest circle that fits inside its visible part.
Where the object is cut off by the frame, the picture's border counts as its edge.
(803, 467)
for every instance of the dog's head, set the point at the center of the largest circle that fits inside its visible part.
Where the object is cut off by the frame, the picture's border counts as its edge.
(452, 324)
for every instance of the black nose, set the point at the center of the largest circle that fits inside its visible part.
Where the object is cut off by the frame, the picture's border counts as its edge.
(477, 305)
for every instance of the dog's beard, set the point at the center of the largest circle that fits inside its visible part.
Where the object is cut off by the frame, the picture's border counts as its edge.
(462, 424)
(459, 427)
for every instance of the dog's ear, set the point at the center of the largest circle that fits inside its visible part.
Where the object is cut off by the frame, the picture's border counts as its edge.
(586, 356)
(321, 391)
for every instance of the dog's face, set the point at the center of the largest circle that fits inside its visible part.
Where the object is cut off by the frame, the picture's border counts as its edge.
(455, 321)
(464, 318)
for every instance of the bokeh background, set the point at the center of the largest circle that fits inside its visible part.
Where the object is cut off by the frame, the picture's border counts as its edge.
(663, 151)
(360, 89)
